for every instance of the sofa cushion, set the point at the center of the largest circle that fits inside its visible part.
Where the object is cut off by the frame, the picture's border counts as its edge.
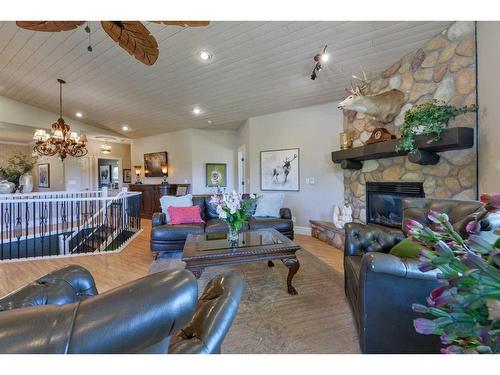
(281, 225)
(269, 205)
(200, 201)
(169, 200)
(211, 209)
(218, 226)
(176, 232)
(185, 215)
(407, 248)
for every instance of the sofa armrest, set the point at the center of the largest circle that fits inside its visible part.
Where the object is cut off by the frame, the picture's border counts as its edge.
(363, 238)
(215, 312)
(392, 265)
(67, 285)
(285, 213)
(158, 219)
(388, 286)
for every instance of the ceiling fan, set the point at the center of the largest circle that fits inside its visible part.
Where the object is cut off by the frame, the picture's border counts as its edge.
(132, 36)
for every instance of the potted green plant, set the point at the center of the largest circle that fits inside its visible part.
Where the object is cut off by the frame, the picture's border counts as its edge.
(429, 118)
(17, 166)
(466, 308)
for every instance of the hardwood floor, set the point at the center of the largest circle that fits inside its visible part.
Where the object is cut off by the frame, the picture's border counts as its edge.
(111, 270)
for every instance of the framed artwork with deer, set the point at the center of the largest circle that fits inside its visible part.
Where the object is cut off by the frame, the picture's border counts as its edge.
(279, 170)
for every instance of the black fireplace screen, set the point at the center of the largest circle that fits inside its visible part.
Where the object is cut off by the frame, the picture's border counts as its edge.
(383, 201)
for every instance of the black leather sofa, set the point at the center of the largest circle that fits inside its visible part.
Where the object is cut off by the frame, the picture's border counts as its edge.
(61, 313)
(381, 287)
(167, 238)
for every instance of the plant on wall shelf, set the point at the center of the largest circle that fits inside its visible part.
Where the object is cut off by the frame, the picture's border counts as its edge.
(17, 165)
(429, 118)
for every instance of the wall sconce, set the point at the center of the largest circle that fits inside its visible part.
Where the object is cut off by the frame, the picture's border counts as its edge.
(164, 171)
(138, 169)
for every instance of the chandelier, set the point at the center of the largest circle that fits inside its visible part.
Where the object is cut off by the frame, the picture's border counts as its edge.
(61, 141)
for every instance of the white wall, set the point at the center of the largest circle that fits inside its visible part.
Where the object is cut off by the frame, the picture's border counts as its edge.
(179, 147)
(188, 152)
(488, 50)
(315, 130)
(213, 146)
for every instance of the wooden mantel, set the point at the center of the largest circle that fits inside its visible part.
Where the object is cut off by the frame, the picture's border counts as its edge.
(426, 154)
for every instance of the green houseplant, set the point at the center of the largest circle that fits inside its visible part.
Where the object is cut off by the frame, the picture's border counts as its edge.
(429, 118)
(466, 308)
(17, 165)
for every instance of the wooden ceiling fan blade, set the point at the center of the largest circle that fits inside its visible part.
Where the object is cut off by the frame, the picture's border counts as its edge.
(185, 23)
(49, 26)
(134, 38)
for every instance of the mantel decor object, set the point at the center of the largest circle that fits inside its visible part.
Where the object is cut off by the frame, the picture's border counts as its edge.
(380, 135)
(345, 140)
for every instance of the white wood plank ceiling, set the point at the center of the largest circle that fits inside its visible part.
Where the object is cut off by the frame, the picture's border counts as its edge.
(257, 68)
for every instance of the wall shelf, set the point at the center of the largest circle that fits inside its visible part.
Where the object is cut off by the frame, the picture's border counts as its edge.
(451, 139)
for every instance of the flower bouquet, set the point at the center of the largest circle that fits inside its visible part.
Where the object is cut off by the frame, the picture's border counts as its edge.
(466, 308)
(234, 210)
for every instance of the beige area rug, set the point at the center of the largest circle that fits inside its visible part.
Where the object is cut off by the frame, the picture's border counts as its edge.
(269, 320)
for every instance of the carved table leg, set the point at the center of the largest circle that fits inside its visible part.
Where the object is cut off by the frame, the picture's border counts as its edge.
(293, 266)
(196, 272)
(270, 263)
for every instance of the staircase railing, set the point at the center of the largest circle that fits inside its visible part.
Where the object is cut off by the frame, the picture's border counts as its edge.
(66, 223)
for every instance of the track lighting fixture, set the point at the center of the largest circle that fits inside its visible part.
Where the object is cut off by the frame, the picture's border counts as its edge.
(318, 58)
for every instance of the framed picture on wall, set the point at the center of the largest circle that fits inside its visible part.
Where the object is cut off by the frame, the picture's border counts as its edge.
(153, 163)
(104, 174)
(279, 170)
(44, 175)
(127, 176)
(216, 175)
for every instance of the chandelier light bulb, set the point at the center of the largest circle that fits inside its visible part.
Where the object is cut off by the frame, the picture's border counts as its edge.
(325, 57)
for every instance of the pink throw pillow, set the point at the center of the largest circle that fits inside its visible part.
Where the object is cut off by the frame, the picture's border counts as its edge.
(185, 215)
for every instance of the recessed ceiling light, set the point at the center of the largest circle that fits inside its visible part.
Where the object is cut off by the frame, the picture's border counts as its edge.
(209, 121)
(204, 55)
(196, 110)
(125, 128)
(324, 57)
(78, 114)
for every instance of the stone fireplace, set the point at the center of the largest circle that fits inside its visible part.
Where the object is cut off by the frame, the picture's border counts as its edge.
(442, 69)
(383, 201)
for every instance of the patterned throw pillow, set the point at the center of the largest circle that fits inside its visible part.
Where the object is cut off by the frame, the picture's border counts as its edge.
(169, 200)
(269, 205)
(185, 215)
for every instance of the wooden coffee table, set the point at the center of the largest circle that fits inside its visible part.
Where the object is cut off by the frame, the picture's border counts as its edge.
(214, 249)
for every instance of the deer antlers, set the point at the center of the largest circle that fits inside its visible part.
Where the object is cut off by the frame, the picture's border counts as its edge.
(359, 90)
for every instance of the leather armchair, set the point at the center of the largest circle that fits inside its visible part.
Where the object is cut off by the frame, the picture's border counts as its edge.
(139, 317)
(381, 287)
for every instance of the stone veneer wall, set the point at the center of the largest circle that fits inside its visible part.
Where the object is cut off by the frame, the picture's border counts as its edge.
(443, 69)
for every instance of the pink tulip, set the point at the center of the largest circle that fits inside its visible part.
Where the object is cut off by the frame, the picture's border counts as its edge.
(473, 227)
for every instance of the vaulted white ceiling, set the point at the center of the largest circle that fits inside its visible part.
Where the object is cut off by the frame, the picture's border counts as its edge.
(257, 68)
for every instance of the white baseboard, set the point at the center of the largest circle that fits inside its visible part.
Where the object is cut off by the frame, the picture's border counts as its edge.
(306, 231)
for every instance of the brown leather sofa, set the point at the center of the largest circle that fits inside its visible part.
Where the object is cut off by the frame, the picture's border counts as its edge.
(62, 313)
(166, 238)
(381, 287)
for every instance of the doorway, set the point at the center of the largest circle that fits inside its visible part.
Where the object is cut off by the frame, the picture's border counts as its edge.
(108, 173)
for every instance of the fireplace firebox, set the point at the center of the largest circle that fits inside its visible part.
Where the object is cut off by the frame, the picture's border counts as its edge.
(383, 201)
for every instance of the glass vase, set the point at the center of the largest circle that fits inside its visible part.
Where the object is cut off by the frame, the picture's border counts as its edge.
(232, 234)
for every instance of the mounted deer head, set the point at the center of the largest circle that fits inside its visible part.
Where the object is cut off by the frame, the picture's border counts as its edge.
(383, 106)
